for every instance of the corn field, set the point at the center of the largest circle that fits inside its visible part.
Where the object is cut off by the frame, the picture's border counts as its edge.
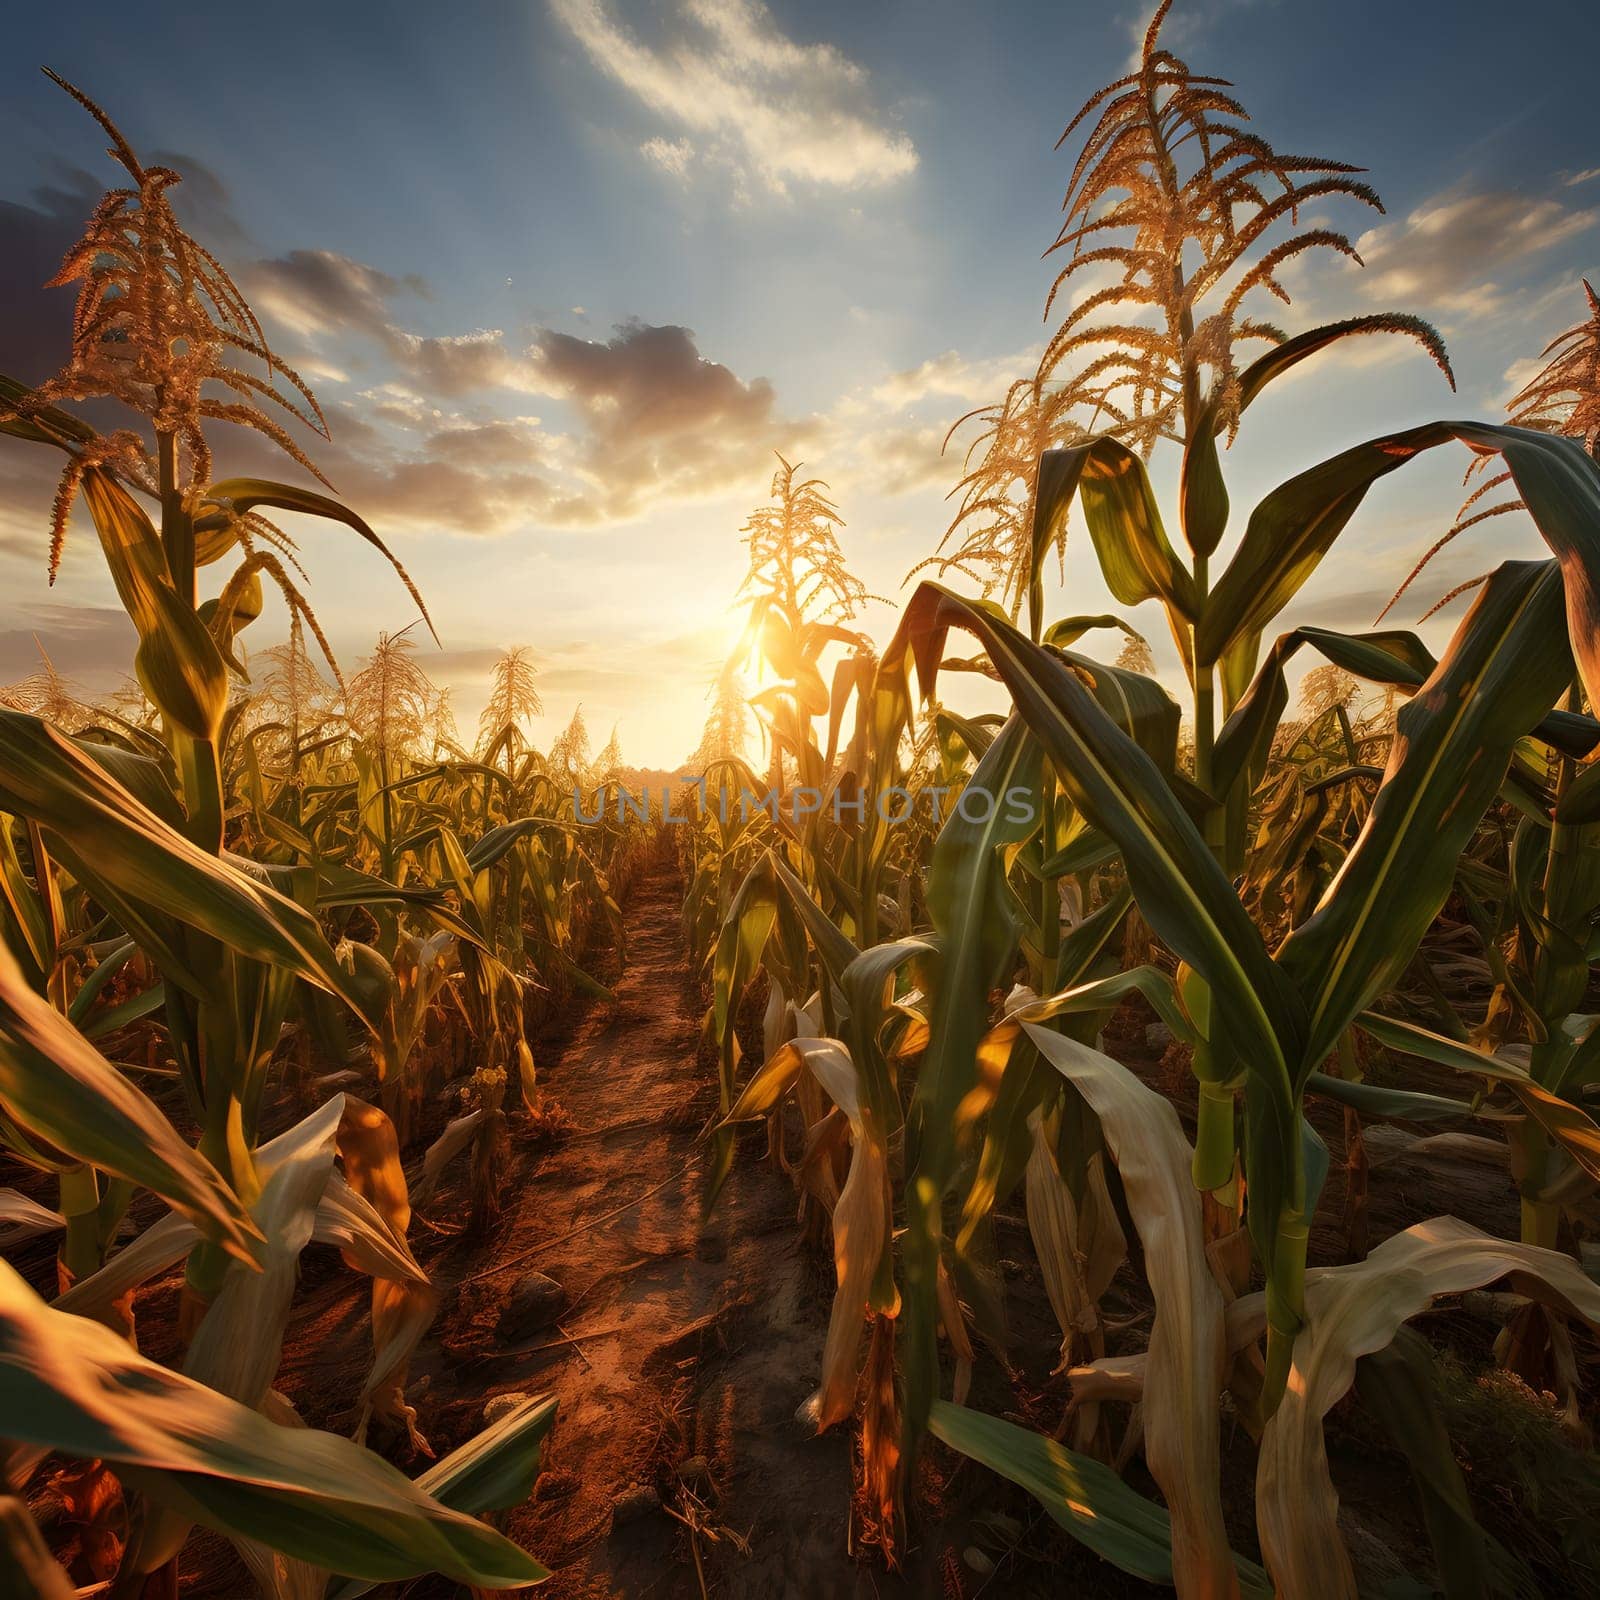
(1102, 1049)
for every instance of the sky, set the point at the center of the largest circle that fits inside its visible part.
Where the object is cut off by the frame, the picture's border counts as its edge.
(565, 274)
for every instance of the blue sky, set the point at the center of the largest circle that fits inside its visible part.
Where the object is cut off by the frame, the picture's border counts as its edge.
(565, 272)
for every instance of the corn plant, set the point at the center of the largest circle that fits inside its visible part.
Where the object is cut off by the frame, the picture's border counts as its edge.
(930, 1084)
(132, 823)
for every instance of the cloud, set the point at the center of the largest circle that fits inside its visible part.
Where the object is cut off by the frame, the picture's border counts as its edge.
(943, 374)
(774, 111)
(648, 420)
(436, 494)
(658, 419)
(654, 420)
(458, 364)
(1180, 30)
(318, 295)
(203, 201)
(35, 322)
(1444, 254)
(961, 378)
(320, 291)
(901, 460)
(671, 155)
(91, 644)
(889, 435)
(643, 418)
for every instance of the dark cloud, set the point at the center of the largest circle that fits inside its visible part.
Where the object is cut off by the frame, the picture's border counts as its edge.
(648, 380)
(203, 202)
(652, 419)
(321, 291)
(658, 418)
(318, 294)
(35, 322)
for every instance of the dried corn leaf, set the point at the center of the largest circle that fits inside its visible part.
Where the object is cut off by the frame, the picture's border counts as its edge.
(1183, 1378)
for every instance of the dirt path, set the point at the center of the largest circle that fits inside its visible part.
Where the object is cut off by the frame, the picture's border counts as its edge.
(683, 1344)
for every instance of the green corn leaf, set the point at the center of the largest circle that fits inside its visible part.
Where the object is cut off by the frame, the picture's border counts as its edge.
(1390, 657)
(1284, 357)
(69, 1384)
(1202, 494)
(1506, 665)
(1181, 890)
(1390, 1105)
(1186, 898)
(1564, 1120)
(240, 495)
(1183, 894)
(1398, 1385)
(493, 1471)
(1294, 527)
(178, 661)
(144, 870)
(978, 932)
(56, 1087)
(1081, 1495)
(1137, 704)
(1125, 526)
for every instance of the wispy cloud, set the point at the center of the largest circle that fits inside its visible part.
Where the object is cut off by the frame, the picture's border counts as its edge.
(1446, 255)
(954, 376)
(745, 96)
(671, 155)
(1182, 27)
(894, 461)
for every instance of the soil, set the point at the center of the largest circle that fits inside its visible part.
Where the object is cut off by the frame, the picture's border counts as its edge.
(683, 1341)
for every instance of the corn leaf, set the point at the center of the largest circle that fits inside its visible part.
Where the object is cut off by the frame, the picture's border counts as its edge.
(58, 1088)
(1352, 1311)
(1294, 527)
(1505, 666)
(27, 1569)
(1398, 1387)
(70, 1384)
(1182, 892)
(978, 933)
(240, 495)
(1565, 1121)
(136, 863)
(178, 662)
(493, 1471)
(1135, 555)
(1081, 1495)
(1184, 1367)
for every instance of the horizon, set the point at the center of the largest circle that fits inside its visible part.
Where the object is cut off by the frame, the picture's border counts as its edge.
(561, 325)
